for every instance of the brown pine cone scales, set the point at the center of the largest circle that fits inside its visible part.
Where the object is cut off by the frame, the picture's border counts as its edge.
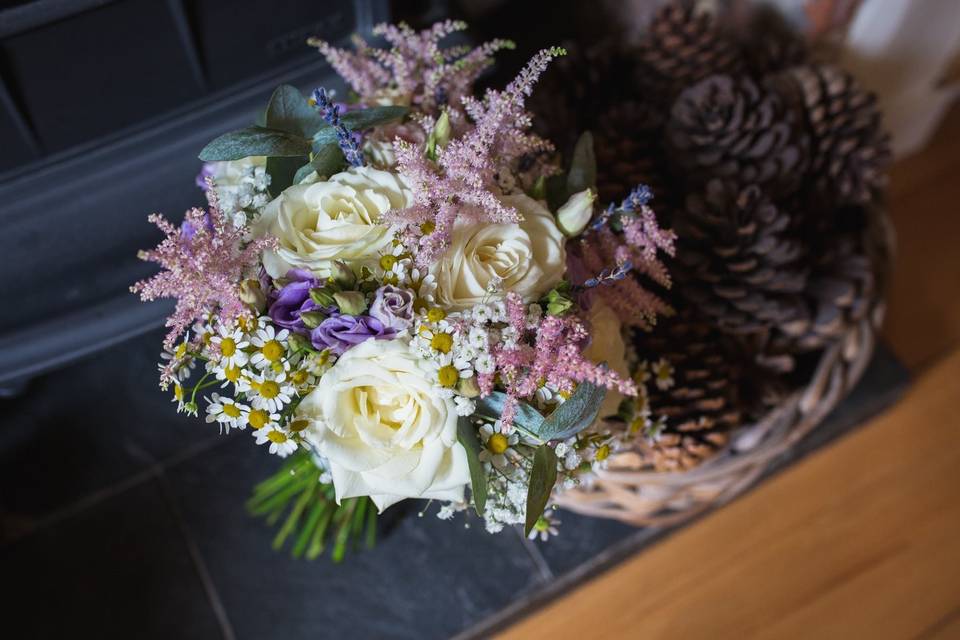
(682, 47)
(739, 262)
(695, 396)
(770, 45)
(850, 152)
(730, 128)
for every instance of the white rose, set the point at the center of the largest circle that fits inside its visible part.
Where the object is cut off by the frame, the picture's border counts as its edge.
(527, 258)
(606, 345)
(382, 428)
(337, 219)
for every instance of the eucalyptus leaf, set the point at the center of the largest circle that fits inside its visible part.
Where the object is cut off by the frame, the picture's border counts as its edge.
(255, 141)
(576, 414)
(283, 172)
(526, 417)
(543, 476)
(328, 159)
(302, 173)
(467, 435)
(583, 166)
(289, 111)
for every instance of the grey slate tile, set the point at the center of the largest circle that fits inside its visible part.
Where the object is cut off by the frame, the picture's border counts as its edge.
(120, 569)
(426, 579)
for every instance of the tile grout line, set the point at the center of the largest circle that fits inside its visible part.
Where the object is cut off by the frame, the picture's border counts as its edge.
(206, 579)
(120, 486)
(543, 567)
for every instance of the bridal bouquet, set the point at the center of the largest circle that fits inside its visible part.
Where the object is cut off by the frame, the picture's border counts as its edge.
(403, 294)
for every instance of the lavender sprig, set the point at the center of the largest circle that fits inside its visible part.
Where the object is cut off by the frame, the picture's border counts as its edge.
(346, 140)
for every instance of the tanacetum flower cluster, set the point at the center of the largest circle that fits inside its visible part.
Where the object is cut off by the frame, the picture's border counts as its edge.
(413, 310)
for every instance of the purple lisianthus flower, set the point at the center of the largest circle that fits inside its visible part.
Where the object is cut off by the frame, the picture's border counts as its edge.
(339, 332)
(207, 171)
(393, 307)
(293, 299)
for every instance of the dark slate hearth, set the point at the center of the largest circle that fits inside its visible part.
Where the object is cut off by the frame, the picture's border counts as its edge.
(112, 508)
(425, 579)
(120, 569)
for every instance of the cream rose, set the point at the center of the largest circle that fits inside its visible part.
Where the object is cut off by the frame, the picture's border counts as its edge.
(526, 258)
(336, 219)
(385, 433)
(606, 345)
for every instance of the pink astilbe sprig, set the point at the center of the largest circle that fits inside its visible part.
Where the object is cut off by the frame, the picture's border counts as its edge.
(637, 245)
(204, 262)
(462, 182)
(415, 66)
(555, 357)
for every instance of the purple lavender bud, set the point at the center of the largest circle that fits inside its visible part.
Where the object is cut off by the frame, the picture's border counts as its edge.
(340, 332)
(206, 171)
(393, 307)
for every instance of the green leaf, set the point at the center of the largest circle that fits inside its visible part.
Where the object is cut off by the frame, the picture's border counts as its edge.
(467, 436)
(555, 189)
(302, 173)
(289, 111)
(283, 172)
(576, 414)
(526, 416)
(328, 160)
(542, 478)
(583, 166)
(255, 141)
(359, 120)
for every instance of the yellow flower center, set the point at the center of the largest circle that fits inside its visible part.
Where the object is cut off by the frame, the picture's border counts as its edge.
(258, 418)
(387, 262)
(448, 376)
(277, 436)
(299, 377)
(228, 347)
(428, 227)
(603, 452)
(231, 410)
(269, 389)
(636, 425)
(206, 338)
(299, 425)
(420, 305)
(177, 392)
(436, 314)
(498, 443)
(442, 342)
(272, 350)
(232, 374)
(181, 350)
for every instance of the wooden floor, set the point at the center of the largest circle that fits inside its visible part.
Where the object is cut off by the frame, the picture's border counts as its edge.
(862, 539)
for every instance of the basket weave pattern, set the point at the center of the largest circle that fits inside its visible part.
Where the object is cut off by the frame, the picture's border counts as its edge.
(627, 492)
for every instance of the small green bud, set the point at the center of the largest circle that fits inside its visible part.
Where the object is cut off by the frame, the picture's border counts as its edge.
(539, 189)
(576, 212)
(439, 137)
(468, 387)
(322, 297)
(557, 303)
(352, 303)
(343, 275)
(312, 319)
(298, 342)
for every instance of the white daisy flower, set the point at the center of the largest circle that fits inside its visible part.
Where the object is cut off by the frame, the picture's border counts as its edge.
(280, 443)
(227, 411)
(447, 370)
(230, 343)
(465, 406)
(260, 419)
(178, 361)
(663, 374)
(497, 446)
(178, 397)
(271, 348)
(230, 375)
(270, 392)
(545, 528)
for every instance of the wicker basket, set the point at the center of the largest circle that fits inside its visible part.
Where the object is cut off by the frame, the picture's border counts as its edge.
(648, 498)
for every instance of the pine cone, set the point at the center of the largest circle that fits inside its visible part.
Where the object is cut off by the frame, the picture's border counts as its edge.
(682, 47)
(739, 261)
(628, 150)
(850, 151)
(729, 128)
(770, 44)
(702, 405)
